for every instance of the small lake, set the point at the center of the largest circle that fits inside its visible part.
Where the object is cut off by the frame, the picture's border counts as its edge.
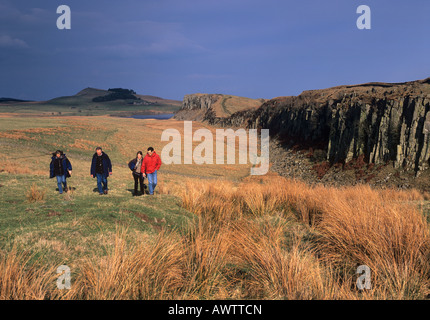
(163, 116)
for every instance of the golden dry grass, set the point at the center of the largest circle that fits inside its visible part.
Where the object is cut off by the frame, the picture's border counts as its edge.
(266, 238)
(21, 281)
(247, 246)
(35, 193)
(168, 267)
(20, 168)
(382, 229)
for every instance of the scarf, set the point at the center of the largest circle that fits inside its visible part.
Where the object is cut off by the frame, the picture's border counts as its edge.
(138, 165)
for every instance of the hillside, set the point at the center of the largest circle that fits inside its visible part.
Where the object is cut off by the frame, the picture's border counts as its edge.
(11, 100)
(82, 104)
(206, 107)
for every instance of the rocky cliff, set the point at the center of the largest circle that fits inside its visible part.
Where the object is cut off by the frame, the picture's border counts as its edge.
(197, 107)
(214, 107)
(379, 121)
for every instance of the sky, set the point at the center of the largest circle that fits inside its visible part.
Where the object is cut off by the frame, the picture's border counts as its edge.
(170, 48)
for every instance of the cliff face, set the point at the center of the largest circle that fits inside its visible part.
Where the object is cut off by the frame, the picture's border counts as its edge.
(213, 107)
(379, 121)
(197, 107)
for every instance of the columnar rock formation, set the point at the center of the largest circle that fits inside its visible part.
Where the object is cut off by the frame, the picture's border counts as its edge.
(381, 121)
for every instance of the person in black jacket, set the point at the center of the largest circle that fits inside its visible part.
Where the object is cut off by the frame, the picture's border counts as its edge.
(61, 168)
(101, 167)
(135, 166)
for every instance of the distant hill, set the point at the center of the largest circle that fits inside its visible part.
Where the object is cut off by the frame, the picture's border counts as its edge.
(88, 95)
(93, 101)
(12, 100)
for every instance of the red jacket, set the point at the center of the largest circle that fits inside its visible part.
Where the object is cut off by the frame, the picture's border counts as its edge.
(150, 163)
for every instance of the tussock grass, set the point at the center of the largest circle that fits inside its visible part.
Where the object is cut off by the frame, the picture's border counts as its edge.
(169, 267)
(139, 272)
(390, 237)
(20, 280)
(275, 270)
(382, 229)
(263, 238)
(35, 193)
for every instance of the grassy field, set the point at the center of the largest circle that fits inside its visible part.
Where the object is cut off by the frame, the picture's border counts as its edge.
(83, 109)
(210, 232)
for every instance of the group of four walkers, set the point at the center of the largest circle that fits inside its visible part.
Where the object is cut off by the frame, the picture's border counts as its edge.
(101, 168)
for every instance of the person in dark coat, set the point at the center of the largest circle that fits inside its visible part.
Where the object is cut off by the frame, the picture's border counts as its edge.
(101, 167)
(135, 166)
(61, 168)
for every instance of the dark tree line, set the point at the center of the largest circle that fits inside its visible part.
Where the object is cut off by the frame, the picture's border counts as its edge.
(117, 94)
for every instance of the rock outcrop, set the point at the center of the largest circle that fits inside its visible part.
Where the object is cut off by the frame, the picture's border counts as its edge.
(381, 122)
(214, 107)
(197, 107)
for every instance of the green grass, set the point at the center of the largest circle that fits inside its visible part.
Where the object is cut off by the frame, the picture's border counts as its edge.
(68, 227)
(83, 108)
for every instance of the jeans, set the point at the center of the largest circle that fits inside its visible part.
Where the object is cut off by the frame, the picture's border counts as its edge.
(138, 178)
(101, 179)
(152, 181)
(61, 180)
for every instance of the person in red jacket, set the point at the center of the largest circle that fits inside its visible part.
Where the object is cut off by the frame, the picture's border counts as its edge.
(150, 165)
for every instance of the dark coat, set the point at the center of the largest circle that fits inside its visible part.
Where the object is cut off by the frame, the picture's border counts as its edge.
(67, 166)
(107, 165)
(132, 165)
